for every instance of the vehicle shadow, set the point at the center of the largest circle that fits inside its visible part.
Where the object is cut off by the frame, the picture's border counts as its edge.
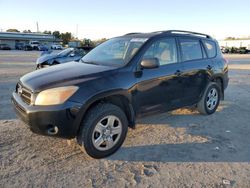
(213, 138)
(6, 108)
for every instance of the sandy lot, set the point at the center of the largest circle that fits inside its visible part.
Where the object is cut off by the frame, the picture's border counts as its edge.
(176, 149)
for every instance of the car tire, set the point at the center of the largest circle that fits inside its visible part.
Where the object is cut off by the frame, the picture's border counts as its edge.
(103, 130)
(210, 99)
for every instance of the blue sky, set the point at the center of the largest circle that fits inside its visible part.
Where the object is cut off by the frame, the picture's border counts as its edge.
(109, 18)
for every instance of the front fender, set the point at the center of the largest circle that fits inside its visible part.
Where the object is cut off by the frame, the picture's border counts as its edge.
(98, 97)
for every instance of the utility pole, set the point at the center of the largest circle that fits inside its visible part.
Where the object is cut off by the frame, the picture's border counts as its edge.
(37, 27)
(77, 31)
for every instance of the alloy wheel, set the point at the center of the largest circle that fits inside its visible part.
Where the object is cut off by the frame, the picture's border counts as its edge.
(107, 133)
(212, 99)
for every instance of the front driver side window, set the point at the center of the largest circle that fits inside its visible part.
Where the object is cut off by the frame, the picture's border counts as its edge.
(164, 50)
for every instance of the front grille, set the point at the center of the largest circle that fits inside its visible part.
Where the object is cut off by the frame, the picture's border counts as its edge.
(24, 93)
(18, 107)
(21, 112)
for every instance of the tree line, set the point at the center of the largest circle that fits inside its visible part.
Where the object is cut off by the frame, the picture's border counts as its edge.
(235, 38)
(65, 37)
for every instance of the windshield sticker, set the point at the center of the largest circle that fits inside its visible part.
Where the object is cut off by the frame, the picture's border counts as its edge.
(139, 40)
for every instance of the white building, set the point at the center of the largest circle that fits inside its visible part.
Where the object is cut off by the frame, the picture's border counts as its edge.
(235, 43)
(74, 43)
(12, 38)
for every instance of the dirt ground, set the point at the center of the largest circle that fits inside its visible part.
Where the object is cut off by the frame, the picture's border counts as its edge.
(177, 149)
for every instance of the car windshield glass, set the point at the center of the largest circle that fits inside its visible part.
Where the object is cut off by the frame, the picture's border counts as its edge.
(114, 52)
(65, 52)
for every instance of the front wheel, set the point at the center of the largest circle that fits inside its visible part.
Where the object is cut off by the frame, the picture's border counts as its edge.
(103, 130)
(210, 99)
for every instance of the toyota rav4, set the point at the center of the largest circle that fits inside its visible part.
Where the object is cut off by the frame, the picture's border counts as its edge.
(97, 99)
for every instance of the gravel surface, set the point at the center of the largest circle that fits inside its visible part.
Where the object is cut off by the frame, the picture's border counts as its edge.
(177, 149)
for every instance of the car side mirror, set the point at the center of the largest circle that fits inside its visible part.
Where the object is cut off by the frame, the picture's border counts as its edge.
(150, 63)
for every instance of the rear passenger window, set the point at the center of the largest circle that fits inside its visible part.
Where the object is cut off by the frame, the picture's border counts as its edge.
(191, 49)
(210, 48)
(164, 50)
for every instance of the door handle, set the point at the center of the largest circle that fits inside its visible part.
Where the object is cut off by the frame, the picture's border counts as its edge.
(178, 73)
(209, 67)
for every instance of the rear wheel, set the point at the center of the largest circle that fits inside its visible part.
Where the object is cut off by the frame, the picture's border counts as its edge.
(103, 130)
(210, 99)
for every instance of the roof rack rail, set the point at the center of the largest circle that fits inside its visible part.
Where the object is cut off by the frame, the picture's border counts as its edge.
(131, 34)
(187, 32)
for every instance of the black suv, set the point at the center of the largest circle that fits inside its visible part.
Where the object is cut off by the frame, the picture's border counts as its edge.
(97, 99)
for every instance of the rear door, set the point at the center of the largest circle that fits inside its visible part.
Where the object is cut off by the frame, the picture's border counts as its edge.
(160, 89)
(195, 68)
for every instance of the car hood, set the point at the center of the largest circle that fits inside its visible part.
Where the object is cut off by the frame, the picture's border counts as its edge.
(46, 57)
(61, 75)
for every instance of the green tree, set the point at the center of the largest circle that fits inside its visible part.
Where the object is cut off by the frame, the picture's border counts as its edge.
(230, 38)
(66, 37)
(13, 30)
(87, 42)
(47, 32)
(26, 31)
(57, 34)
(99, 41)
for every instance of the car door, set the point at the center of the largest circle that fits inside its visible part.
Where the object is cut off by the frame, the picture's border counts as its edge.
(195, 69)
(160, 89)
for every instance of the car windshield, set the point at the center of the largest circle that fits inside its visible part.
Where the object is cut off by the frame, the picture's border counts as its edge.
(114, 52)
(65, 52)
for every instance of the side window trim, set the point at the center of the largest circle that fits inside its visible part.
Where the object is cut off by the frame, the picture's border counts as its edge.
(204, 51)
(215, 48)
(179, 57)
(180, 49)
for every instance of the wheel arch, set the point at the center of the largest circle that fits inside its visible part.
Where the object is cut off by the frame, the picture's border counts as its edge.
(55, 61)
(219, 81)
(117, 99)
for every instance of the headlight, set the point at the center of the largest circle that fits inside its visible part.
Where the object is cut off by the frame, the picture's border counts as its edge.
(55, 95)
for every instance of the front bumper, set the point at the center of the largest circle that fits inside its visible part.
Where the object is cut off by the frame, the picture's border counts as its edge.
(225, 80)
(40, 119)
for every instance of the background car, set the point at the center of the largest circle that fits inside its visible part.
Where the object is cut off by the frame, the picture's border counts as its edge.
(19, 46)
(243, 50)
(34, 44)
(234, 50)
(67, 55)
(27, 47)
(4, 47)
(42, 48)
(225, 50)
(56, 47)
